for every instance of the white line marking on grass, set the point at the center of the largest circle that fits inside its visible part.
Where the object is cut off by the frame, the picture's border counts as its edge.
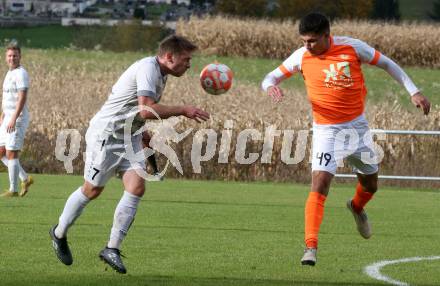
(373, 270)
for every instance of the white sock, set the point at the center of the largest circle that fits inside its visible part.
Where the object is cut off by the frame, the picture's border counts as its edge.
(72, 210)
(23, 175)
(13, 175)
(124, 216)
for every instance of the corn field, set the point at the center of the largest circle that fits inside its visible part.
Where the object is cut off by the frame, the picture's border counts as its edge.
(66, 92)
(408, 43)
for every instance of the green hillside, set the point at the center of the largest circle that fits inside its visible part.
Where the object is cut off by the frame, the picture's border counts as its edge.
(415, 10)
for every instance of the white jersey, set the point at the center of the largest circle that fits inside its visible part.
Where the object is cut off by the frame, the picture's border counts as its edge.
(143, 78)
(15, 80)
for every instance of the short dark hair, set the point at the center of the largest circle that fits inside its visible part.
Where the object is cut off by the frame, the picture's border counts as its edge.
(314, 23)
(176, 45)
(13, 45)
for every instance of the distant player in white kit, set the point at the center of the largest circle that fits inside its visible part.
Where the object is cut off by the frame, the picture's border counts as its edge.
(14, 121)
(140, 86)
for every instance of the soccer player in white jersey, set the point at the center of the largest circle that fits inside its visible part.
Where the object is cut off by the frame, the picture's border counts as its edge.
(140, 86)
(14, 121)
(331, 68)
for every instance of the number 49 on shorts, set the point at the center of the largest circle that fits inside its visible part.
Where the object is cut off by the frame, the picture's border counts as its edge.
(326, 157)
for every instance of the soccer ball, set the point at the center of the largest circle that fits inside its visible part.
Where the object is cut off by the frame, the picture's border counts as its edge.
(216, 78)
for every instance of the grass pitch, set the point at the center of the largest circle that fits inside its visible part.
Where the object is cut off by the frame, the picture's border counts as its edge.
(218, 233)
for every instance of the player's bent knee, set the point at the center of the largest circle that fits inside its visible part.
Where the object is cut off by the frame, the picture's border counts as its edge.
(91, 191)
(12, 154)
(371, 188)
(138, 191)
(368, 182)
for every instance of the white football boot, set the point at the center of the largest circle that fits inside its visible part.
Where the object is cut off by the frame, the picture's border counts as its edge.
(309, 257)
(361, 219)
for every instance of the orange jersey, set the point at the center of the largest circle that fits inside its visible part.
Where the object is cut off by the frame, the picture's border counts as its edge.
(334, 79)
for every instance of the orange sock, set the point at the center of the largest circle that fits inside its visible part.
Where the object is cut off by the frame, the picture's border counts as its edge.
(360, 198)
(314, 213)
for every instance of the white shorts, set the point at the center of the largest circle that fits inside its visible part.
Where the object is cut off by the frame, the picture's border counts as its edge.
(106, 157)
(13, 141)
(351, 140)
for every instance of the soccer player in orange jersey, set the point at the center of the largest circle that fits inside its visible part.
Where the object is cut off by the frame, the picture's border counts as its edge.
(331, 68)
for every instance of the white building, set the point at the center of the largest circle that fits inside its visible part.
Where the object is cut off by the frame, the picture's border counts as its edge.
(25, 5)
(56, 6)
(186, 2)
(70, 6)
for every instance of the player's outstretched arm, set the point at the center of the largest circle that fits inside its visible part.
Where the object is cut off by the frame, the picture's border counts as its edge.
(195, 113)
(275, 92)
(288, 68)
(270, 85)
(420, 101)
(401, 77)
(165, 111)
